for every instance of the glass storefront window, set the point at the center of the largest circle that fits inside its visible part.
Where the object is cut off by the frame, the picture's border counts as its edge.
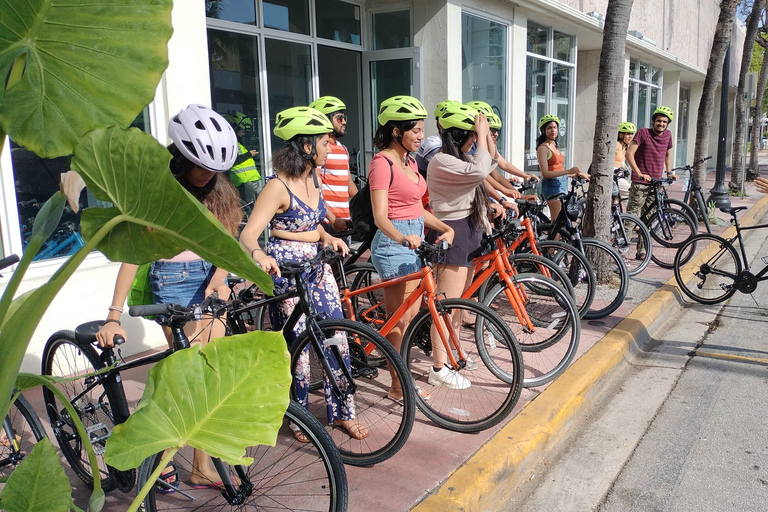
(536, 100)
(537, 39)
(240, 11)
(561, 101)
(484, 49)
(289, 79)
(645, 83)
(338, 21)
(391, 29)
(287, 15)
(563, 46)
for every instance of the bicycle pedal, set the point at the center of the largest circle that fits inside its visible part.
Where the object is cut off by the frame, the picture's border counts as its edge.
(98, 435)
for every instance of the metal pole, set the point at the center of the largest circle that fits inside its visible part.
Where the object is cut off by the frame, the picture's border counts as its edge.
(719, 193)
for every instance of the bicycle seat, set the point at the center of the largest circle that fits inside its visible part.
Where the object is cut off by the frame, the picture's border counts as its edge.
(733, 209)
(86, 333)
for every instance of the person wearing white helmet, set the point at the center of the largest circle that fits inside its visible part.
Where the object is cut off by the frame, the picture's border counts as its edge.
(204, 147)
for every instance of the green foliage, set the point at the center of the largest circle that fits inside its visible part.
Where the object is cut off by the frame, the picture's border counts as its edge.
(72, 67)
(228, 395)
(39, 484)
(711, 209)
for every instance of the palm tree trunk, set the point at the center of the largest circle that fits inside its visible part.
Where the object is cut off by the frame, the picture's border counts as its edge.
(737, 163)
(757, 115)
(609, 99)
(720, 42)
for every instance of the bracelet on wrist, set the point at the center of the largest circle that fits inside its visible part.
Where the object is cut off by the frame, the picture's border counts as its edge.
(116, 308)
(112, 321)
(253, 251)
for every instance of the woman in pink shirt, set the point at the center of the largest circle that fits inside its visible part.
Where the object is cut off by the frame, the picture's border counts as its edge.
(396, 192)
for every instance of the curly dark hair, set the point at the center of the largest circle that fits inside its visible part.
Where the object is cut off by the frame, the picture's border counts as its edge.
(219, 195)
(289, 160)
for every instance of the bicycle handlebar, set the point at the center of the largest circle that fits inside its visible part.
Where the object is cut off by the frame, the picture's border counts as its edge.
(8, 261)
(328, 253)
(691, 166)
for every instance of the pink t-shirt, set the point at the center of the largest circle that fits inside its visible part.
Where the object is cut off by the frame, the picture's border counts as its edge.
(404, 195)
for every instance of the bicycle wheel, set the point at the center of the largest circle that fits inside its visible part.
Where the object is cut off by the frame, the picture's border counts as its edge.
(389, 421)
(21, 431)
(628, 233)
(64, 357)
(576, 267)
(611, 279)
(710, 275)
(288, 476)
(669, 233)
(369, 307)
(687, 209)
(701, 207)
(551, 345)
(496, 379)
(527, 263)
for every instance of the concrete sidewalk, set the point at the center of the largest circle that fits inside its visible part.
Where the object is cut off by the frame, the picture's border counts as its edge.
(446, 471)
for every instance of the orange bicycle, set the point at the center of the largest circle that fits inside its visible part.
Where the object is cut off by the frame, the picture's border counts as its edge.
(469, 331)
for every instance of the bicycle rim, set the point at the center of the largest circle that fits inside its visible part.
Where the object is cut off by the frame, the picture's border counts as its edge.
(389, 422)
(669, 234)
(533, 264)
(495, 384)
(710, 275)
(63, 357)
(576, 267)
(611, 279)
(550, 346)
(628, 236)
(288, 476)
(20, 431)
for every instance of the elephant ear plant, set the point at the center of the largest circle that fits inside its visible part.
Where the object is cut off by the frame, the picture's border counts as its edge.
(73, 76)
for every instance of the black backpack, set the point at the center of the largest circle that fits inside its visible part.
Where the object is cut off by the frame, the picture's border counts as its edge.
(361, 209)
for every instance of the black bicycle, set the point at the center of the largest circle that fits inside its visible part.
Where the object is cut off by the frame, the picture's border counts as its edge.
(291, 475)
(718, 271)
(694, 195)
(374, 363)
(628, 233)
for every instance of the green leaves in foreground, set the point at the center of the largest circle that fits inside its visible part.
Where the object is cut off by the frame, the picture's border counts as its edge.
(69, 67)
(230, 395)
(158, 218)
(39, 484)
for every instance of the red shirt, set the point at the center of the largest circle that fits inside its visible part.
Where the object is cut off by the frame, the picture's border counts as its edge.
(651, 153)
(404, 195)
(335, 180)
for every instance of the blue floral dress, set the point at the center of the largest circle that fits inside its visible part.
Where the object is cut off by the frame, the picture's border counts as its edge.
(301, 217)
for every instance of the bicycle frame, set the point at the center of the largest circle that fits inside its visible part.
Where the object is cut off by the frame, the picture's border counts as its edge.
(762, 275)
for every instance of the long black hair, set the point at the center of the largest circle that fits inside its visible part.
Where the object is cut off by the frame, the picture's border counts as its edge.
(291, 160)
(453, 140)
(384, 134)
(541, 139)
(219, 195)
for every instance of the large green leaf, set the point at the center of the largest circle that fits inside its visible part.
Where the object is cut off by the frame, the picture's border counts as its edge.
(39, 484)
(230, 395)
(69, 67)
(130, 169)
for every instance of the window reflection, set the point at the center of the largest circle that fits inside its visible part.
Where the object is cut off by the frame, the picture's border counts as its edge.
(240, 11)
(391, 29)
(338, 21)
(287, 15)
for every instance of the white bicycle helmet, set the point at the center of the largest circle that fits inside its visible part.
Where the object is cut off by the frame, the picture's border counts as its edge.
(204, 137)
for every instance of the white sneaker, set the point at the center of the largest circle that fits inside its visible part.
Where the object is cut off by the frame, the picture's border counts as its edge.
(448, 378)
(471, 364)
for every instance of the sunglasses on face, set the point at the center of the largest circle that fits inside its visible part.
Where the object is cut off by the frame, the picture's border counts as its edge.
(495, 132)
(340, 117)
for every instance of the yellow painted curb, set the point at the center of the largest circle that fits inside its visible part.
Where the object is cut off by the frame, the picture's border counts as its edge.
(487, 479)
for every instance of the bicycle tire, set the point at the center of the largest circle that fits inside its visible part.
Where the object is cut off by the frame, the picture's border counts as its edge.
(369, 307)
(576, 267)
(496, 383)
(669, 235)
(528, 263)
(389, 422)
(63, 356)
(686, 208)
(612, 283)
(288, 476)
(20, 432)
(627, 234)
(701, 207)
(710, 275)
(550, 347)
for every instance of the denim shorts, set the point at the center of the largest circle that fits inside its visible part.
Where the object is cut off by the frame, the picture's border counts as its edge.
(182, 282)
(392, 259)
(553, 186)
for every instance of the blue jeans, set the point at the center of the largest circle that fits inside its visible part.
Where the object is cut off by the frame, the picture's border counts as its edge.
(181, 282)
(392, 259)
(553, 186)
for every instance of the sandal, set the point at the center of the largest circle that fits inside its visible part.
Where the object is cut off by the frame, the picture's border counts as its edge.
(640, 255)
(354, 429)
(170, 479)
(300, 436)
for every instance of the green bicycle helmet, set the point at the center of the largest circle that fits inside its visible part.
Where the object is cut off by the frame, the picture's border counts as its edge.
(548, 119)
(301, 121)
(663, 111)
(481, 106)
(494, 122)
(627, 127)
(458, 116)
(239, 120)
(440, 108)
(401, 108)
(328, 104)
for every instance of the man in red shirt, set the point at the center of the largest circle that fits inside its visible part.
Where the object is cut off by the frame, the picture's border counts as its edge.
(649, 153)
(337, 183)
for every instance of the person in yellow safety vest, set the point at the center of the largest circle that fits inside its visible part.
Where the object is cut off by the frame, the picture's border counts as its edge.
(244, 174)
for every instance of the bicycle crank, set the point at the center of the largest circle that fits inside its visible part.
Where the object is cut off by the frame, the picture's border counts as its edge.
(746, 282)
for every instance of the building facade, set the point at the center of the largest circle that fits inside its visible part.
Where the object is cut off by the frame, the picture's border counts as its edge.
(526, 58)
